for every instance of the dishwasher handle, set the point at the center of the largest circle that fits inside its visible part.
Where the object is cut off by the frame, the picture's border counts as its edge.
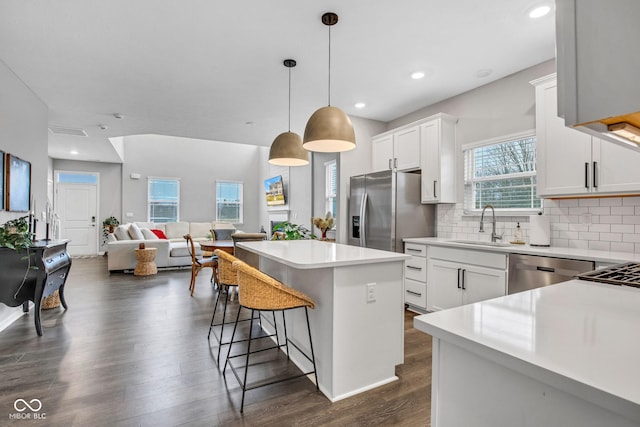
(547, 269)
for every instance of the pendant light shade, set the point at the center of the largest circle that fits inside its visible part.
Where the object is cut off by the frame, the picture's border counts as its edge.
(329, 129)
(286, 149)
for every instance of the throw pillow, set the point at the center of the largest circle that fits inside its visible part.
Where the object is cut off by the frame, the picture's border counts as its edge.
(122, 232)
(135, 233)
(222, 233)
(159, 233)
(148, 235)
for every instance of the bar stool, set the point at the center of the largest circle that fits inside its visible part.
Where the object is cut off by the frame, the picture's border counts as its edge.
(227, 279)
(258, 291)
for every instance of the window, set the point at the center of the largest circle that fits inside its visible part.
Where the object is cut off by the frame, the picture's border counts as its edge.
(229, 202)
(331, 187)
(163, 199)
(502, 173)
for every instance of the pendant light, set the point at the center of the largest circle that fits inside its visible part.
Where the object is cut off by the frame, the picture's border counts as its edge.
(329, 129)
(286, 149)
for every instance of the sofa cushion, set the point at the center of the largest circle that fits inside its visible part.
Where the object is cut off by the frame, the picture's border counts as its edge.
(199, 229)
(159, 233)
(135, 233)
(147, 225)
(159, 226)
(122, 232)
(176, 230)
(223, 233)
(180, 249)
(148, 234)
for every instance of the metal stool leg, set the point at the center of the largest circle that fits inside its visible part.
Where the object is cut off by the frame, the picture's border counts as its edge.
(233, 334)
(246, 366)
(313, 356)
(215, 308)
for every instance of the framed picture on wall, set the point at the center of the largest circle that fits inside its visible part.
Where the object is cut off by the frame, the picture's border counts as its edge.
(1, 180)
(17, 184)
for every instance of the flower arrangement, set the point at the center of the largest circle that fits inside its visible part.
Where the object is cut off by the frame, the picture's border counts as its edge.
(14, 234)
(323, 224)
(288, 231)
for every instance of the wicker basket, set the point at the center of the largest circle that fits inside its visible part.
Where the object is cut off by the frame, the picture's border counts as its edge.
(227, 274)
(262, 292)
(52, 301)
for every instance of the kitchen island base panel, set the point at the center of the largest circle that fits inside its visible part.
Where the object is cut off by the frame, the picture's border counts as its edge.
(472, 390)
(357, 342)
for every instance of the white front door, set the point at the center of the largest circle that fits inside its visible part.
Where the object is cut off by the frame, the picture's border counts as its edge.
(76, 204)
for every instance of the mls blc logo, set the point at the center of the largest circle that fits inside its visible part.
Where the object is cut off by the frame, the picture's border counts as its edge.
(27, 410)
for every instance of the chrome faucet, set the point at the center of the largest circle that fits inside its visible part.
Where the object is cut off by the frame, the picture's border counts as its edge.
(494, 236)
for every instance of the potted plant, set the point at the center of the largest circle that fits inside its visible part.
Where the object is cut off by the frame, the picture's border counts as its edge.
(110, 224)
(323, 224)
(14, 234)
(288, 231)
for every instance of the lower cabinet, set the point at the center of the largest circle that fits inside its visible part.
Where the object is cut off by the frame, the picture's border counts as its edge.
(457, 277)
(415, 282)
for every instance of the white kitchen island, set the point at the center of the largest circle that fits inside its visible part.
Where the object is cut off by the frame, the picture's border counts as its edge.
(562, 355)
(357, 328)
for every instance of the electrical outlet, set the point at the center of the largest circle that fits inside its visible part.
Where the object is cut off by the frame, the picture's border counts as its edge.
(129, 215)
(371, 292)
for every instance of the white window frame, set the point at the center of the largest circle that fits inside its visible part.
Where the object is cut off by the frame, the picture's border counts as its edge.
(151, 178)
(241, 202)
(468, 199)
(328, 194)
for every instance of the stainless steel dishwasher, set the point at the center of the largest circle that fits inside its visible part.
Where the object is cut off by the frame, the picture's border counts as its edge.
(531, 271)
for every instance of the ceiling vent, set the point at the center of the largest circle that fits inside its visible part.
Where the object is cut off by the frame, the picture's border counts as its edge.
(59, 130)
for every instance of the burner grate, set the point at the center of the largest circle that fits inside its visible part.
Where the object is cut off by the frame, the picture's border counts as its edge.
(627, 274)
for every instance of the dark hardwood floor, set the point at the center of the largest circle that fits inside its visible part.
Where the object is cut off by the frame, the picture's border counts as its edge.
(133, 351)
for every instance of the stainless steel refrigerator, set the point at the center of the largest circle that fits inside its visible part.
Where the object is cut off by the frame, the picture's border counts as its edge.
(384, 208)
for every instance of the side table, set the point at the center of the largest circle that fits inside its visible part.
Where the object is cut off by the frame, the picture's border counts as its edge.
(146, 262)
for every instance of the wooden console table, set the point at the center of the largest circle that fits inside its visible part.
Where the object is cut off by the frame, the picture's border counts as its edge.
(46, 265)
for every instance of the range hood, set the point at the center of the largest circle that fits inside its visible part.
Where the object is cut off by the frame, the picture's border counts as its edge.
(599, 68)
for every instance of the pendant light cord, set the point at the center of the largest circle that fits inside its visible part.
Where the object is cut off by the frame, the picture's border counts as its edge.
(289, 99)
(329, 88)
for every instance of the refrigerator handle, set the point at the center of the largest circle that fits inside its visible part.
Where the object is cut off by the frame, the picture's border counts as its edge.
(363, 220)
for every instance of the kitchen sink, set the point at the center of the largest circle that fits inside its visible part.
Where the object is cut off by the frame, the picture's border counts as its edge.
(480, 243)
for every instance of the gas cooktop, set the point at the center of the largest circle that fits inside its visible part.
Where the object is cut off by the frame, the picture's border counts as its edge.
(627, 274)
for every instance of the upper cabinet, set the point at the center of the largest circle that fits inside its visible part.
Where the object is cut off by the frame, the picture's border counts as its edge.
(438, 159)
(397, 150)
(572, 163)
(427, 144)
(598, 65)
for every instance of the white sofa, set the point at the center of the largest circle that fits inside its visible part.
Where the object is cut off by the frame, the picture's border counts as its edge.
(171, 252)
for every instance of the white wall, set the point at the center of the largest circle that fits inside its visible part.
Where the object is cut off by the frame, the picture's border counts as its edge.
(23, 132)
(198, 164)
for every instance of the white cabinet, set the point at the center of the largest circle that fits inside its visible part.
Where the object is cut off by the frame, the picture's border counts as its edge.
(398, 150)
(438, 159)
(415, 283)
(572, 163)
(459, 276)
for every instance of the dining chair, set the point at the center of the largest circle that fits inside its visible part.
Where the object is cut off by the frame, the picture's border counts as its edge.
(199, 262)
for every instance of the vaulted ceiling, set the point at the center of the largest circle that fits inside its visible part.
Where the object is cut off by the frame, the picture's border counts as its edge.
(213, 70)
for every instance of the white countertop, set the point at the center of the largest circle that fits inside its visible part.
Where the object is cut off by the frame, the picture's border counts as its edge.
(585, 332)
(553, 251)
(318, 254)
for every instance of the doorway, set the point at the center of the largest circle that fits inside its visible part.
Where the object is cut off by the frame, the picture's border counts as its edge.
(77, 207)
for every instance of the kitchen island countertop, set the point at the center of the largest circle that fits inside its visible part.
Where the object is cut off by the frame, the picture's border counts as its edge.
(577, 337)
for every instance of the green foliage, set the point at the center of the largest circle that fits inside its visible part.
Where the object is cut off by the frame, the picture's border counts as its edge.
(288, 231)
(14, 234)
(111, 221)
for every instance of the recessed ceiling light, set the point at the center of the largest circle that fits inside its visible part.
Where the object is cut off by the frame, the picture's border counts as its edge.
(417, 75)
(118, 116)
(539, 11)
(484, 72)
(360, 105)
(73, 152)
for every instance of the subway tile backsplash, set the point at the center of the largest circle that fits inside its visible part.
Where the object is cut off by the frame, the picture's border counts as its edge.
(609, 224)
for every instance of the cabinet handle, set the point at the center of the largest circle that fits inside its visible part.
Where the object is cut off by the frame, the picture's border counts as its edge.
(463, 273)
(595, 176)
(459, 270)
(414, 268)
(413, 250)
(414, 293)
(586, 175)
(395, 163)
(390, 164)
(434, 189)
